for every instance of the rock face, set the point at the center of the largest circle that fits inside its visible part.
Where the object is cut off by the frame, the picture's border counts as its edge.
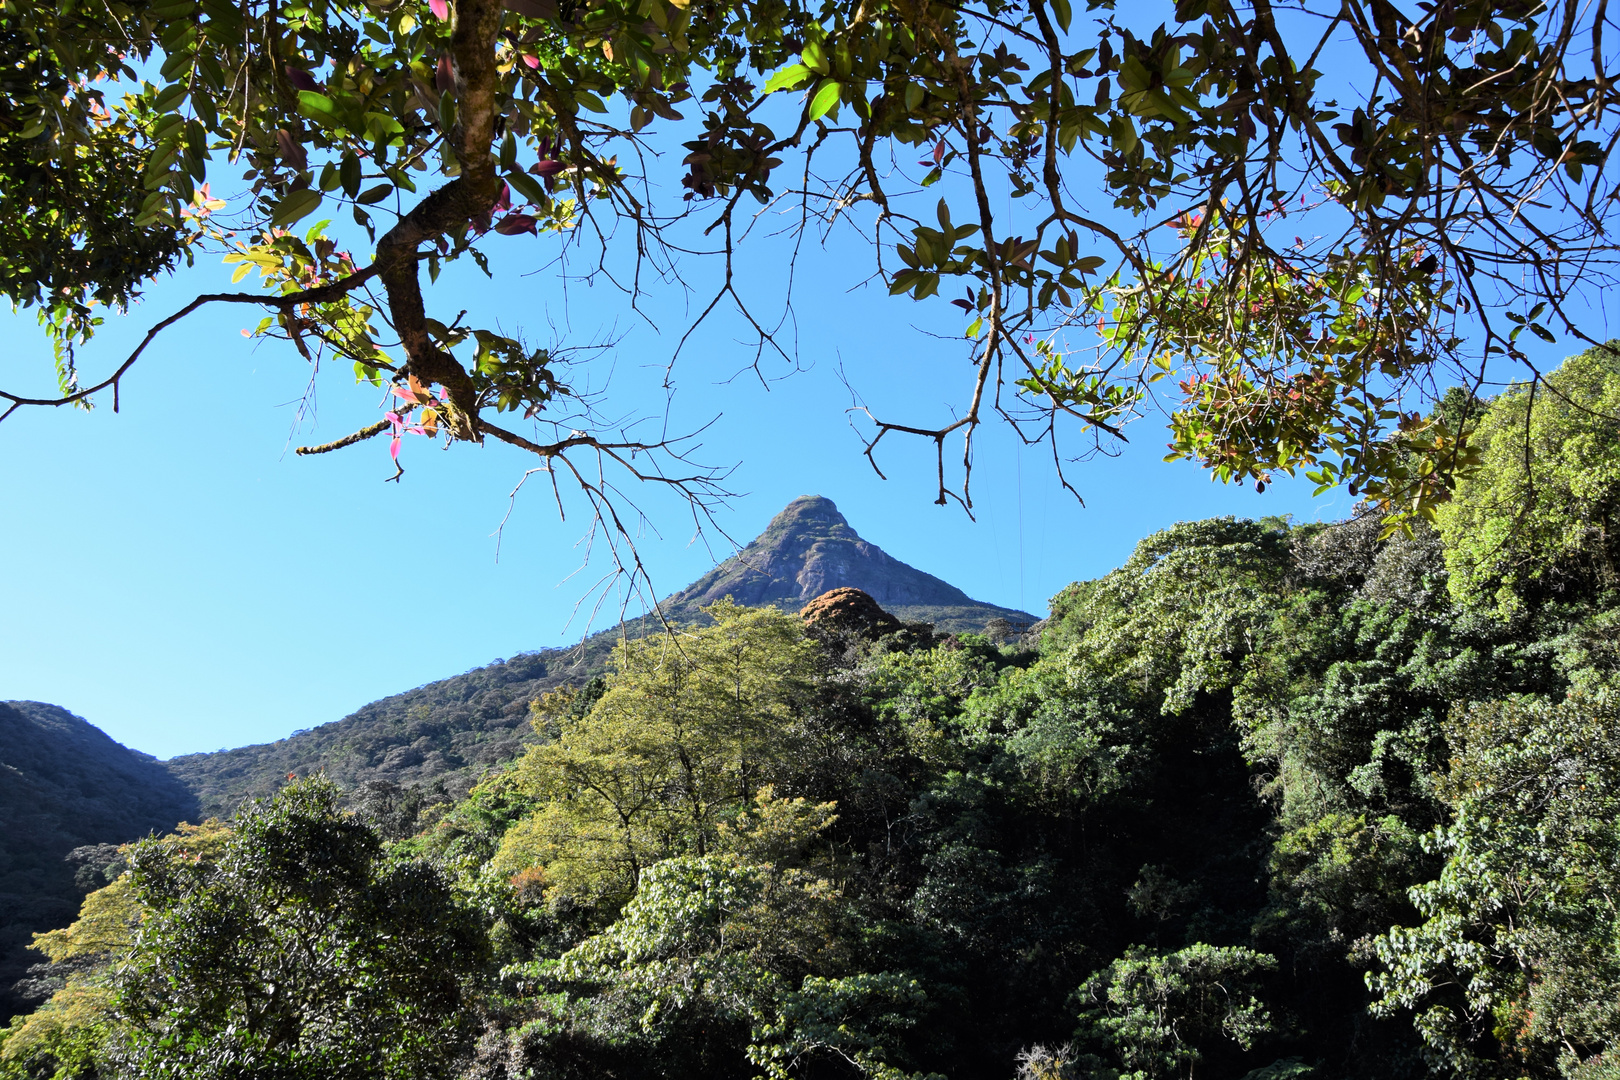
(809, 549)
(848, 610)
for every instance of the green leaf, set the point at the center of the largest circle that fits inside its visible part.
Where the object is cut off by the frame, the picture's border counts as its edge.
(299, 204)
(349, 172)
(815, 58)
(376, 194)
(1065, 13)
(528, 187)
(826, 97)
(318, 107)
(788, 78)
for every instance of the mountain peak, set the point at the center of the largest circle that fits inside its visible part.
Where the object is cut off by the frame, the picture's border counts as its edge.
(810, 548)
(809, 508)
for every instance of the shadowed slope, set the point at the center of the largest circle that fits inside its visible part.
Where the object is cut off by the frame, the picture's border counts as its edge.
(66, 785)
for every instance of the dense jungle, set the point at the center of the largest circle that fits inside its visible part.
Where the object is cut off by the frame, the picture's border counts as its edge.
(1270, 800)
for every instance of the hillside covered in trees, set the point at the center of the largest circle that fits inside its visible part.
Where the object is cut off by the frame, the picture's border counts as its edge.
(1268, 801)
(68, 795)
(442, 737)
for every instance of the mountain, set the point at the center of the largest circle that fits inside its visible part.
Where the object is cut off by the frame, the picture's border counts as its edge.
(66, 787)
(452, 731)
(67, 791)
(808, 549)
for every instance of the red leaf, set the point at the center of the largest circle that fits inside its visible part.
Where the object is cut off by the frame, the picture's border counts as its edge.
(301, 79)
(512, 224)
(547, 167)
(291, 150)
(445, 77)
(939, 151)
(503, 201)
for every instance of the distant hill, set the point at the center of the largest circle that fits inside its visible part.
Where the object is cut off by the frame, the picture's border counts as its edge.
(449, 732)
(67, 791)
(452, 731)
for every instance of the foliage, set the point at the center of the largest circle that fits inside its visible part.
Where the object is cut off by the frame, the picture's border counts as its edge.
(687, 729)
(1160, 1013)
(300, 951)
(1516, 949)
(72, 166)
(1539, 521)
(70, 796)
(1266, 802)
(72, 1035)
(441, 128)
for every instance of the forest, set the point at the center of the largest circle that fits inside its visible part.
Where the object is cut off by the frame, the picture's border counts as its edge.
(1270, 800)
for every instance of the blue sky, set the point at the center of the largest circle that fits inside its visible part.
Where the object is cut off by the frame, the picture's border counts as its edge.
(177, 576)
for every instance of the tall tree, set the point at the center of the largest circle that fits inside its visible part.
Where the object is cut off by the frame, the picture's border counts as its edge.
(300, 952)
(687, 731)
(1318, 217)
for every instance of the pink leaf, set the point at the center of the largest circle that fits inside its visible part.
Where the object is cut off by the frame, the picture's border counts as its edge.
(503, 201)
(443, 394)
(403, 394)
(394, 418)
(532, 61)
(393, 448)
(440, 9)
(415, 430)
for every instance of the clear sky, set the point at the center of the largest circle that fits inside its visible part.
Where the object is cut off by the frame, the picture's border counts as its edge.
(177, 576)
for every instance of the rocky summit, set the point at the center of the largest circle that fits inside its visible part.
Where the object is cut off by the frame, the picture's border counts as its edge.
(809, 549)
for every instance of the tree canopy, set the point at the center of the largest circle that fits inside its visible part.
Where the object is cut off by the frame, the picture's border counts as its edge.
(1267, 802)
(1312, 219)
